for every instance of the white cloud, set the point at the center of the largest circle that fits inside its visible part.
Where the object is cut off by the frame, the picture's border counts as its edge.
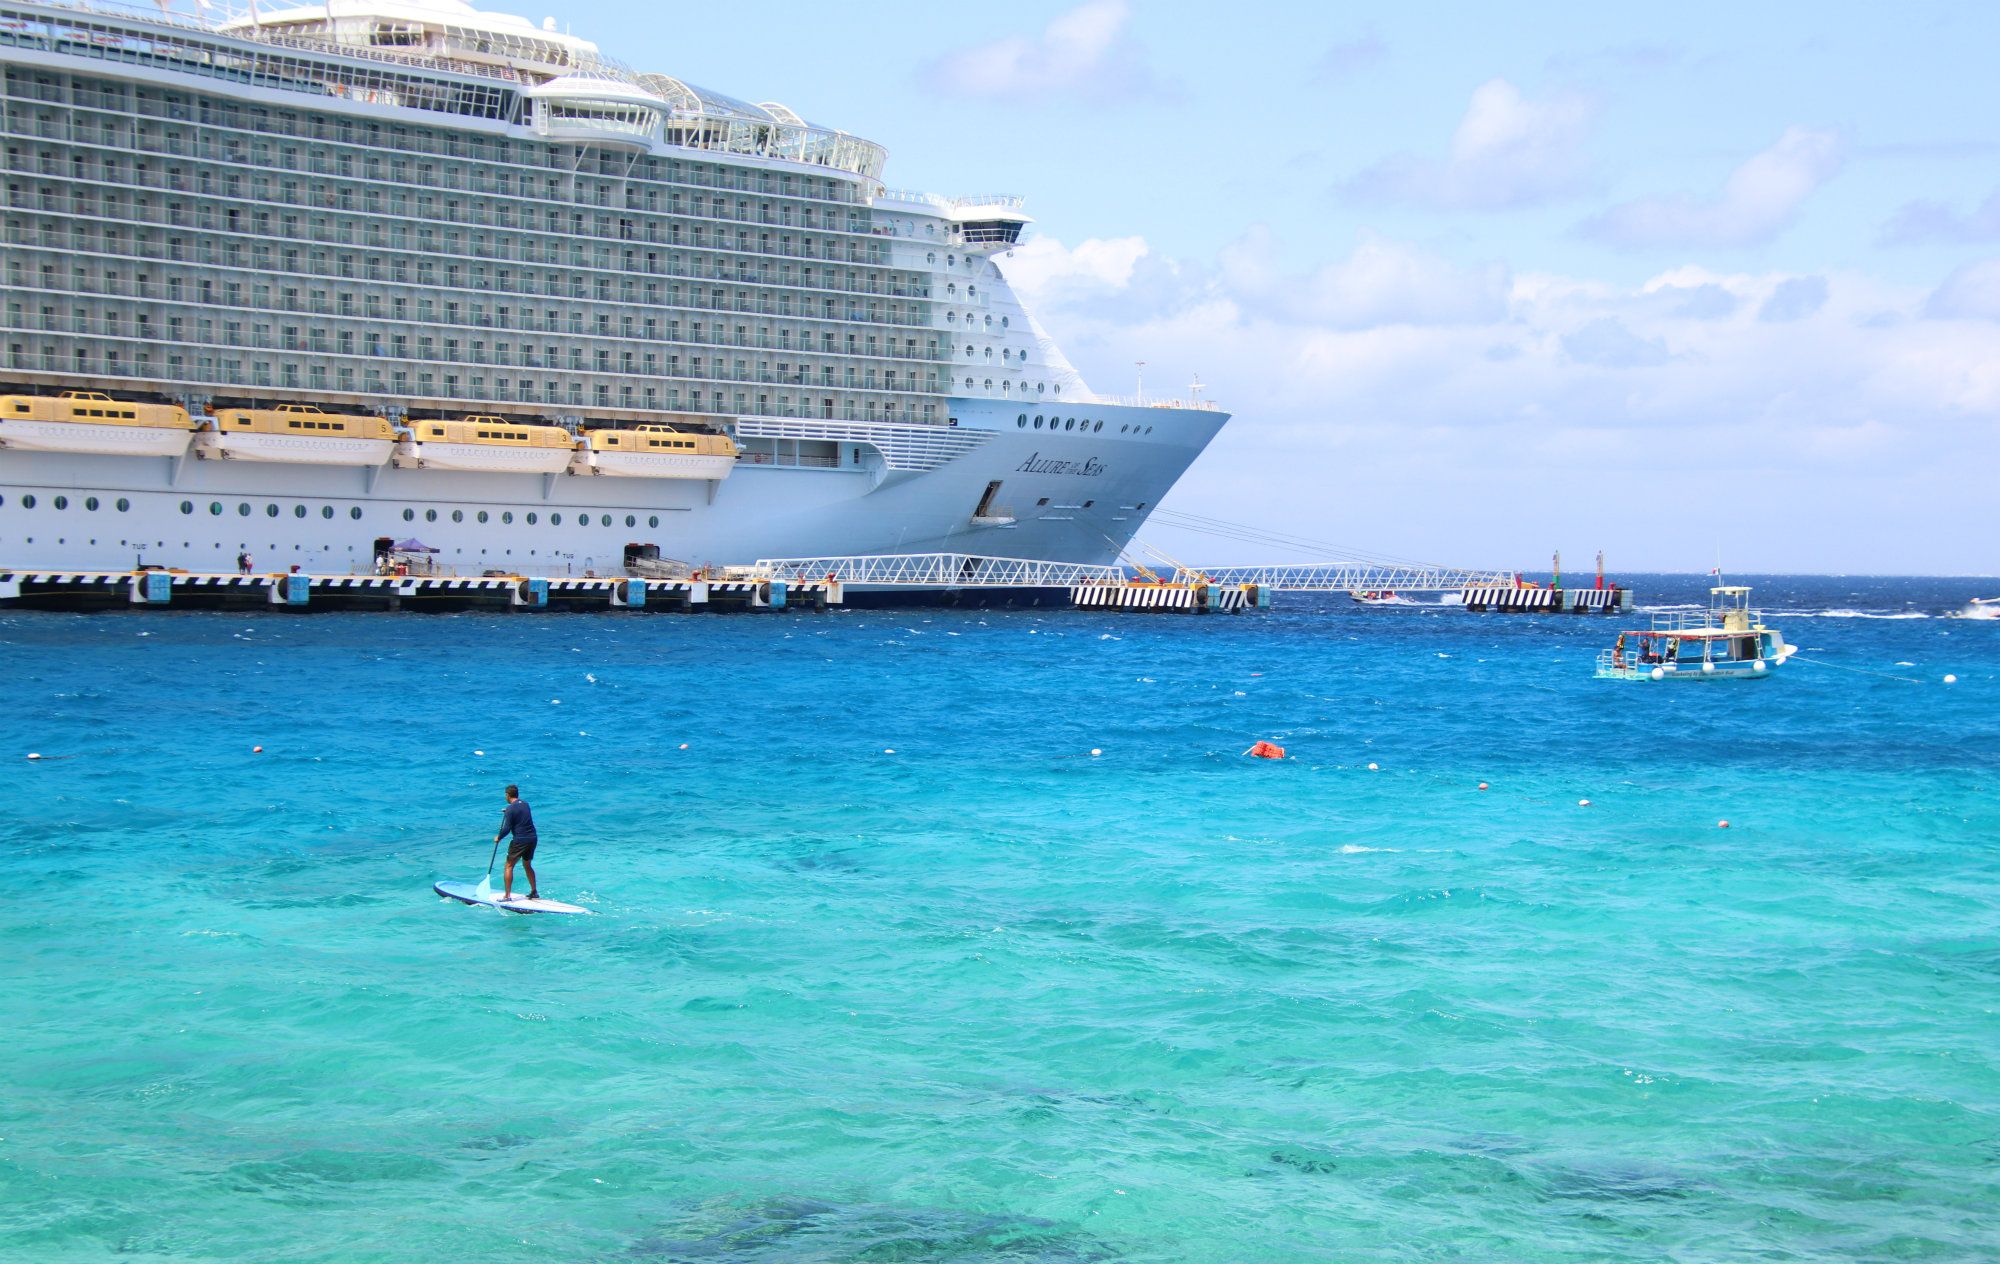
(1933, 221)
(1382, 282)
(1970, 293)
(1760, 199)
(1085, 53)
(1484, 429)
(1344, 60)
(1507, 151)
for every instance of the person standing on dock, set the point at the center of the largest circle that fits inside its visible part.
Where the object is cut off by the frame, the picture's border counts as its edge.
(520, 822)
(243, 562)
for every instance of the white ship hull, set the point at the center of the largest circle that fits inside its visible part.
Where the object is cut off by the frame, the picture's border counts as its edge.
(481, 458)
(211, 445)
(76, 436)
(652, 465)
(1071, 497)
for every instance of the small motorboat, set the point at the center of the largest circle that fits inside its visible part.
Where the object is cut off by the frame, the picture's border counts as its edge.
(1728, 641)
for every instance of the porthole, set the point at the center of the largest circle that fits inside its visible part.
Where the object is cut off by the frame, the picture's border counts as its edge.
(243, 509)
(60, 502)
(631, 520)
(187, 506)
(458, 515)
(605, 520)
(123, 504)
(1038, 423)
(482, 515)
(90, 503)
(531, 520)
(1070, 424)
(653, 521)
(270, 510)
(1149, 430)
(28, 501)
(1123, 429)
(215, 507)
(555, 519)
(355, 513)
(1022, 421)
(326, 511)
(1096, 426)
(430, 515)
(409, 515)
(506, 515)
(298, 511)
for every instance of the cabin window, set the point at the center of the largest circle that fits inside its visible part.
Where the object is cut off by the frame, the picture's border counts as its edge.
(22, 408)
(507, 515)
(355, 513)
(90, 503)
(482, 515)
(215, 507)
(531, 520)
(298, 511)
(326, 511)
(430, 515)
(458, 515)
(28, 501)
(631, 520)
(187, 506)
(409, 515)
(605, 520)
(60, 502)
(555, 519)
(243, 509)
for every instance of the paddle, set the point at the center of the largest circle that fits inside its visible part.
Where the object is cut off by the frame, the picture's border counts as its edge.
(486, 883)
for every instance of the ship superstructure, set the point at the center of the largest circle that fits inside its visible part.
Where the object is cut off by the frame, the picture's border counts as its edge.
(413, 210)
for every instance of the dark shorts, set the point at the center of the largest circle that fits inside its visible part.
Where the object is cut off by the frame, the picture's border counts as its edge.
(518, 850)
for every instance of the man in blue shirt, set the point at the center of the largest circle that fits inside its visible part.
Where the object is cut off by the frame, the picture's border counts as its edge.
(520, 822)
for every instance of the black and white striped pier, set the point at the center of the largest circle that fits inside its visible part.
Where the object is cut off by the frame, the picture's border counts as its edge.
(183, 590)
(1513, 599)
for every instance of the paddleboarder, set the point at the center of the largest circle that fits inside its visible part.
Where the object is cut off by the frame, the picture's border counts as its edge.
(518, 821)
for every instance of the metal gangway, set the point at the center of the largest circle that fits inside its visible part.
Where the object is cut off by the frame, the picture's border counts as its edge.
(936, 570)
(971, 570)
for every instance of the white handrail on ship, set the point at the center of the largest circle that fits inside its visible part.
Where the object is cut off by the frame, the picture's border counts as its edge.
(971, 570)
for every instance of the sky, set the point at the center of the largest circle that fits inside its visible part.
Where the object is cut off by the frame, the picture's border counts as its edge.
(1690, 284)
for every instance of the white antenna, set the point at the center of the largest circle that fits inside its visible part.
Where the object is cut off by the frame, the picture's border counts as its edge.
(1194, 389)
(1142, 380)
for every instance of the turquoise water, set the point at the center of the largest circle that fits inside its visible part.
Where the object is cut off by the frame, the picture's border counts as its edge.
(990, 997)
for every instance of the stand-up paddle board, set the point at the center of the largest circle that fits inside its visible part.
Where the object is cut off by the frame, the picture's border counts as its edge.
(470, 893)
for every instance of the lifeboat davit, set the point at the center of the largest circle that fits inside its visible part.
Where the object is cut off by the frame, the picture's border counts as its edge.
(296, 434)
(489, 445)
(95, 423)
(654, 452)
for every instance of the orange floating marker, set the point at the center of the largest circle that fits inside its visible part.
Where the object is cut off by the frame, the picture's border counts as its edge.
(1722, 825)
(1265, 750)
(256, 750)
(1482, 785)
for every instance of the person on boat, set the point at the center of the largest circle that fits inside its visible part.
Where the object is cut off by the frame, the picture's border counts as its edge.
(520, 822)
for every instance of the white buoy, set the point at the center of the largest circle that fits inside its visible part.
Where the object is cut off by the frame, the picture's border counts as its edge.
(1374, 768)
(480, 753)
(1758, 667)
(1722, 825)
(1659, 673)
(1708, 669)
(684, 745)
(33, 755)
(555, 702)
(890, 751)
(1095, 751)
(1583, 803)
(256, 750)
(1482, 785)
(1950, 679)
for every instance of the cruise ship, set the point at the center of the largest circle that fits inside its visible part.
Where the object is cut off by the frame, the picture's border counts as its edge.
(289, 281)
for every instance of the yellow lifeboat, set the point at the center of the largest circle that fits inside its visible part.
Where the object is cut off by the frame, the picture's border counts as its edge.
(484, 444)
(654, 452)
(92, 422)
(297, 434)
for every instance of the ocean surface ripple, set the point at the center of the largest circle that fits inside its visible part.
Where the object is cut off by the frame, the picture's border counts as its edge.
(989, 997)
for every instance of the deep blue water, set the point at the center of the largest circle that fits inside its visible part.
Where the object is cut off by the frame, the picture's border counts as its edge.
(990, 997)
